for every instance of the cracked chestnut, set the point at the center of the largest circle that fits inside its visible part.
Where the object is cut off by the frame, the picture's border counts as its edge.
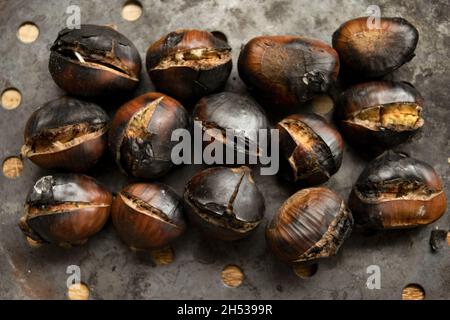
(395, 192)
(66, 134)
(224, 203)
(373, 51)
(148, 216)
(65, 209)
(313, 223)
(287, 70)
(140, 134)
(233, 120)
(312, 148)
(94, 61)
(189, 64)
(380, 114)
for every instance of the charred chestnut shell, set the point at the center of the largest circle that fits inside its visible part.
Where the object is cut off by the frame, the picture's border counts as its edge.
(380, 114)
(188, 64)
(372, 51)
(396, 191)
(67, 134)
(313, 149)
(224, 202)
(230, 112)
(94, 61)
(65, 209)
(148, 216)
(311, 224)
(287, 70)
(140, 135)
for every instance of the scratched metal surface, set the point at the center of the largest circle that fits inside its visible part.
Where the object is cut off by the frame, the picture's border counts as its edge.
(112, 271)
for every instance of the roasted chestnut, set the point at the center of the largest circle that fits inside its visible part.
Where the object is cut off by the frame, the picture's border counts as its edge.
(189, 64)
(148, 216)
(287, 70)
(396, 191)
(313, 223)
(94, 61)
(312, 148)
(65, 209)
(374, 51)
(239, 116)
(67, 134)
(140, 135)
(380, 114)
(224, 202)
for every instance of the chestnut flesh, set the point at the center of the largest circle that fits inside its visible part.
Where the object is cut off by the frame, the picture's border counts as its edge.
(66, 134)
(94, 61)
(65, 209)
(224, 202)
(313, 223)
(148, 216)
(285, 71)
(372, 51)
(395, 192)
(140, 134)
(234, 112)
(380, 114)
(189, 64)
(312, 148)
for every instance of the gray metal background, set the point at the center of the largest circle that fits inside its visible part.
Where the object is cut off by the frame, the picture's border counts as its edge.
(112, 271)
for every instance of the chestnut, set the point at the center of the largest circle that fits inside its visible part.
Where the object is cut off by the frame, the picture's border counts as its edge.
(189, 64)
(311, 147)
(65, 209)
(140, 134)
(285, 71)
(373, 51)
(313, 223)
(94, 61)
(148, 216)
(224, 203)
(240, 115)
(380, 114)
(395, 191)
(67, 134)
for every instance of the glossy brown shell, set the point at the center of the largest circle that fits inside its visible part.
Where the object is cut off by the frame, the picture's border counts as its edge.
(372, 51)
(287, 70)
(115, 66)
(224, 203)
(313, 149)
(85, 207)
(380, 94)
(188, 82)
(65, 112)
(149, 155)
(395, 192)
(234, 112)
(153, 221)
(313, 223)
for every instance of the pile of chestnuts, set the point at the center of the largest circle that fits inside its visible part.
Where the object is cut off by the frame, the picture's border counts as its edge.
(225, 202)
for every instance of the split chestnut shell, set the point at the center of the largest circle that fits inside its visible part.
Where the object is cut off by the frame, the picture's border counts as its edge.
(66, 134)
(313, 223)
(312, 148)
(140, 134)
(189, 64)
(380, 114)
(372, 50)
(65, 209)
(287, 70)
(148, 216)
(94, 61)
(396, 191)
(224, 202)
